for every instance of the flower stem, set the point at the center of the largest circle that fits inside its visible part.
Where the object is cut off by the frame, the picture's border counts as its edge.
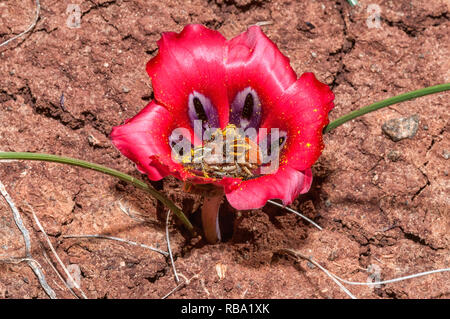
(210, 215)
(392, 100)
(102, 169)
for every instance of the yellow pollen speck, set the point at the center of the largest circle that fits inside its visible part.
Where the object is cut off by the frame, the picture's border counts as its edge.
(308, 145)
(315, 110)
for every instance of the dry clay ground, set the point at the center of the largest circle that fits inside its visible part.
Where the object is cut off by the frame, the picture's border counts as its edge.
(384, 205)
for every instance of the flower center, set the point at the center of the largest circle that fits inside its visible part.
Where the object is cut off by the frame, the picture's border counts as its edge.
(227, 153)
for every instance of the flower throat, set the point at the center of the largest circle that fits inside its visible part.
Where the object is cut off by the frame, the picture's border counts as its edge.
(227, 153)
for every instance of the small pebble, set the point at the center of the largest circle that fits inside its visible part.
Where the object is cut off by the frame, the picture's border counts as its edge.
(327, 203)
(375, 178)
(125, 89)
(375, 68)
(333, 255)
(92, 140)
(97, 141)
(446, 154)
(393, 156)
(401, 128)
(425, 127)
(314, 54)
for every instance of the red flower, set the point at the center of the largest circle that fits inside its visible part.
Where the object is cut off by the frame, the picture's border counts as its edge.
(245, 81)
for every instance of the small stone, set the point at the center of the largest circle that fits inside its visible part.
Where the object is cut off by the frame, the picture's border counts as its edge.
(327, 203)
(12, 72)
(87, 49)
(421, 56)
(333, 255)
(375, 178)
(125, 89)
(446, 154)
(375, 68)
(425, 127)
(310, 265)
(93, 141)
(401, 128)
(314, 54)
(393, 156)
(97, 141)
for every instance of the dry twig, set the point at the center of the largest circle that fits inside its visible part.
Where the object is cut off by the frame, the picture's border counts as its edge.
(30, 27)
(182, 284)
(34, 265)
(295, 212)
(338, 280)
(69, 276)
(58, 274)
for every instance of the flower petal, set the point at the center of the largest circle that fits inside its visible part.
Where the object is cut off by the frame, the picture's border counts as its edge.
(190, 62)
(302, 112)
(144, 140)
(286, 185)
(254, 61)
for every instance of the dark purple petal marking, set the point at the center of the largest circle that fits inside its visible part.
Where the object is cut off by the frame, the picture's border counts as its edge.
(179, 141)
(246, 109)
(201, 108)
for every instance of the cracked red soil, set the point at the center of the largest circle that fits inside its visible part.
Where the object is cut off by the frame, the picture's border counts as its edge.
(380, 202)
